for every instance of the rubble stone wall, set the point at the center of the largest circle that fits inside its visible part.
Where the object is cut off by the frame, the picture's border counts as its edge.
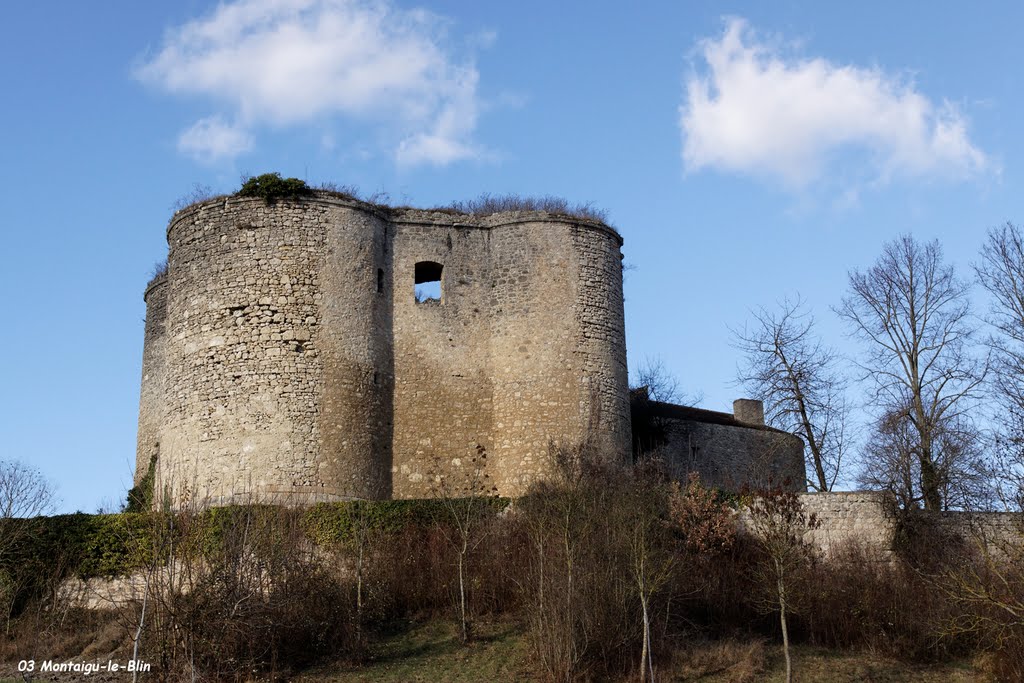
(732, 457)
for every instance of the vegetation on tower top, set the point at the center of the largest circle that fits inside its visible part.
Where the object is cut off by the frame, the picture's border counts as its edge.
(271, 186)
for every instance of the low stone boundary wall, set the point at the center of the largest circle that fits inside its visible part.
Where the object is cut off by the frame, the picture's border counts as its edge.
(103, 593)
(870, 520)
(864, 518)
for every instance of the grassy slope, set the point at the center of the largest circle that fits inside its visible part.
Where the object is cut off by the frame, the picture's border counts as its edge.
(431, 652)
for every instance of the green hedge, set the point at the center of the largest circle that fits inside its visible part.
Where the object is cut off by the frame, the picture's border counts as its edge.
(115, 544)
(78, 544)
(332, 523)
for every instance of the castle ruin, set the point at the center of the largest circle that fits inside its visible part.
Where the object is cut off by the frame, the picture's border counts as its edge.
(288, 357)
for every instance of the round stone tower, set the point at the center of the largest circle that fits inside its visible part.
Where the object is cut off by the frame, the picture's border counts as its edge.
(557, 343)
(275, 390)
(154, 353)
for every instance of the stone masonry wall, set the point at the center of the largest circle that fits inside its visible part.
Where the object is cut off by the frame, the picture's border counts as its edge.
(152, 399)
(535, 384)
(733, 456)
(244, 360)
(870, 521)
(601, 317)
(443, 381)
(357, 382)
(866, 518)
(298, 366)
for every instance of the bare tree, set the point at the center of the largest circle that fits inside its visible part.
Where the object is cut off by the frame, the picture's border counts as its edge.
(661, 385)
(798, 379)
(889, 461)
(24, 493)
(653, 383)
(465, 498)
(778, 522)
(652, 559)
(913, 314)
(1001, 272)
(653, 376)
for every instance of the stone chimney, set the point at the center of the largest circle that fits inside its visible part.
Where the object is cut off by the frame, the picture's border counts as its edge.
(749, 411)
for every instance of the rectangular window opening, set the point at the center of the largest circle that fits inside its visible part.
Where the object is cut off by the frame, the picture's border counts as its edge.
(380, 279)
(427, 281)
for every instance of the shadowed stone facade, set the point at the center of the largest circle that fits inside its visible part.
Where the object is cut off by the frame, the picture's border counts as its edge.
(287, 358)
(728, 451)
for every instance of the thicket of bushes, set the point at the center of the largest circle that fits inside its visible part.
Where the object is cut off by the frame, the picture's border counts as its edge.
(611, 572)
(271, 187)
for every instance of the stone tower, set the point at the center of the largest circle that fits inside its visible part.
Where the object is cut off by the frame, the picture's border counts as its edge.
(287, 358)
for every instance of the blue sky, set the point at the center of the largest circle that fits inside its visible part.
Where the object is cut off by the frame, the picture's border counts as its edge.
(746, 151)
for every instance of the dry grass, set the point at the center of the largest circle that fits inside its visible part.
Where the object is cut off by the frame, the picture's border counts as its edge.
(432, 651)
(734, 661)
(487, 204)
(78, 633)
(484, 205)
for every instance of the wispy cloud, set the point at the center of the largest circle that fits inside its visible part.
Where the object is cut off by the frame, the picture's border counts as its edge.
(211, 140)
(289, 62)
(750, 107)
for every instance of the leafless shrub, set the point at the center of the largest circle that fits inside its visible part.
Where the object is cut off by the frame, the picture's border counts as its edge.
(198, 193)
(487, 204)
(66, 633)
(855, 601)
(984, 583)
(381, 591)
(338, 190)
(563, 521)
(601, 559)
(233, 591)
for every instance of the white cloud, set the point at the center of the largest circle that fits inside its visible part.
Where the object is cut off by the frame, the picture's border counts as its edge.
(289, 62)
(442, 144)
(211, 139)
(756, 110)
